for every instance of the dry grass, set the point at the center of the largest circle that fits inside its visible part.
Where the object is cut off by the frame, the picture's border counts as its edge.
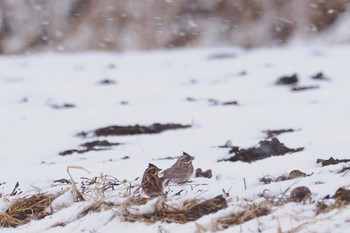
(251, 211)
(341, 201)
(24, 210)
(190, 211)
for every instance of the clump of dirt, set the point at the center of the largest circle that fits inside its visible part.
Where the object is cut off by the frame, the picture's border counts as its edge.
(292, 175)
(123, 102)
(232, 102)
(213, 102)
(287, 80)
(343, 170)
(117, 130)
(331, 161)
(242, 73)
(191, 211)
(300, 194)
(207, 174)
(304, 88)
(292, 80)
(319, 76)
(265, 149)
(273, 133)
(107, 82)
(24, 210)
(91, 146)
(228, 144)
(62, 106)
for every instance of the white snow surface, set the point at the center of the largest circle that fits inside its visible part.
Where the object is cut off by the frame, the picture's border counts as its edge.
(156, 86)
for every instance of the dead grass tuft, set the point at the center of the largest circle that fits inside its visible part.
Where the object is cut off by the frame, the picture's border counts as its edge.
(292, 175)
(97, 207)
(190, 211)
(251, 211)
(24, 210)
(342, 200)
(345, 169)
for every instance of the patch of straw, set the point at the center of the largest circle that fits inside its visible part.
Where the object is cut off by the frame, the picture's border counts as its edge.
(250, 212)
(190, 211)
(25, 209)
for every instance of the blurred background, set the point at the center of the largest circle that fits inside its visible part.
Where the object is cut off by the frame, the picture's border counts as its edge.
(119, 25)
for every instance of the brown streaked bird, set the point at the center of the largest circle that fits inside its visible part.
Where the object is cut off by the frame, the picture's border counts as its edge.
(151, 184)
(181, 171)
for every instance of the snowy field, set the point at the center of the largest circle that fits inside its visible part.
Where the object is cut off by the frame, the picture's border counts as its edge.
(222, 94)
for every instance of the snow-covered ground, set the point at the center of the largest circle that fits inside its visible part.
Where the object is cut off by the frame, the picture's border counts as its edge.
(176, 87)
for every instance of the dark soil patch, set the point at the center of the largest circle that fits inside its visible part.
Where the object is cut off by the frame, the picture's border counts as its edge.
(62, 181)
(287, 80)
(62, 106)
(228, 144)
(292, 80)
(273, 133)
(116, 130)
(123, 102)
(213, 102)
(319, 76)
(265, 149)
(243, 73)
(304, 88)
(233, 102)
(112, 66)
(169, 158)
(344, 169)
(191, 99)
(107, 82)
(331, 161)
(222, 56)
(91, 146)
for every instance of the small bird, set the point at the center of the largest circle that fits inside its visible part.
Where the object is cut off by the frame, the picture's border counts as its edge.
(181, 171)
(151, 184)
